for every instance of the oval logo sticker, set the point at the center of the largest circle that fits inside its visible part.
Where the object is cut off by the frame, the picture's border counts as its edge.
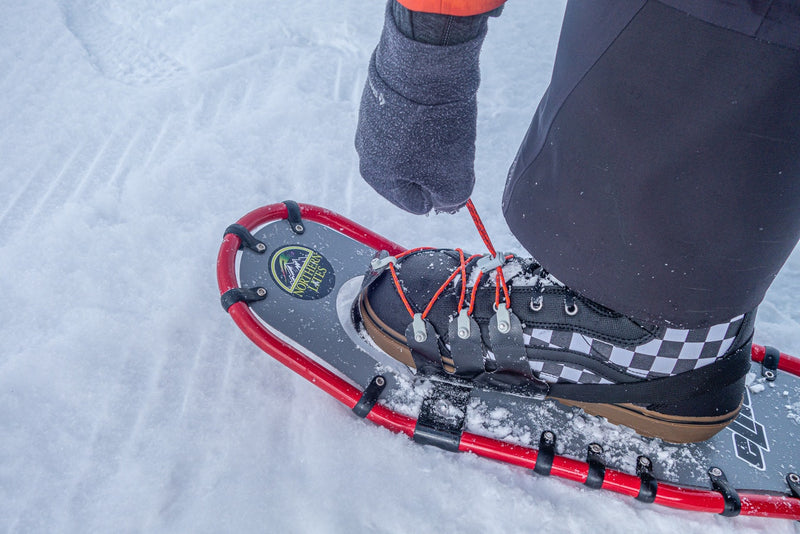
(302, 272)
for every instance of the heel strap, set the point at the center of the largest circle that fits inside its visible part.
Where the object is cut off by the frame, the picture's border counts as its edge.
(721, 373)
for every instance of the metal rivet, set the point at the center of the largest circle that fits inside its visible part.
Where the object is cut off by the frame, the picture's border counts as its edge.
(793, 477)
(299, 227)
(571, 310)
(420, 330)
(596, 448)
(380, 381)
(549, 436)
(715, 472)
(261, 247)
(769, 374)
(443, 407)
(503, 318)
(261, 291)
(644, 461)
(537, 304)
(463, 324)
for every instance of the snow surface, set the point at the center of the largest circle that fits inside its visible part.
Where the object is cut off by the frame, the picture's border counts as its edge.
(132, 132)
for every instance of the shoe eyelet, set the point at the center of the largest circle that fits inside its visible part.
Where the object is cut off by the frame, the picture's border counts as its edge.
(571, 310)
(536, 304)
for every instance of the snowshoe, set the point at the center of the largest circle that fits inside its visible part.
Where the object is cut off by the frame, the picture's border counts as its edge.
(289, 275)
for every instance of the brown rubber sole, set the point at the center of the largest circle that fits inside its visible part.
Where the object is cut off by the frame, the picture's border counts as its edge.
(672, 428)
(387, 339)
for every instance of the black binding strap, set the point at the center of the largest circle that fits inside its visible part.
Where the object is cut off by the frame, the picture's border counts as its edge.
(546, 453)
(465, 341)
(649, 485)
(733, 504)
(370, 396)
(246, 239)
(424, 346)
(508, 344)
(597, 467)
(242, 294)
(668, 389)
(295, 219)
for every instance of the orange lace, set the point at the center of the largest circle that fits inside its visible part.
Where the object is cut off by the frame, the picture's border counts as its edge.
(500, 280)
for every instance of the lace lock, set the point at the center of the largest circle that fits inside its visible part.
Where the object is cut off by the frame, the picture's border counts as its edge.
(420, 332)
(489, 263)
(378, 264)
(464, 329)
(503, 319)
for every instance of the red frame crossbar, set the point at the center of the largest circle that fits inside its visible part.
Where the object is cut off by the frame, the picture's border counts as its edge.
(701, 500)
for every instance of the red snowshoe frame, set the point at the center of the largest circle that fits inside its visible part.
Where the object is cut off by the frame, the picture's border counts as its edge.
(721, 500)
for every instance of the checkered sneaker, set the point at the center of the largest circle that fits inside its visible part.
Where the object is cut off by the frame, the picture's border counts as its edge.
(677, 351)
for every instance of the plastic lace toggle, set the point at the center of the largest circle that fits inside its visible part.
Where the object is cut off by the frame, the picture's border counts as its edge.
(378, 264)
(420, 332)
(489, 263)
(464, 329)
(503, 318)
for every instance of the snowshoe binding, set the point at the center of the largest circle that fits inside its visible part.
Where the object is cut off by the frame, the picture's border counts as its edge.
(521, 331)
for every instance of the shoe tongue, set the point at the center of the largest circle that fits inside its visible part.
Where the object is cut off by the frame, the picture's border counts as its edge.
(423, 273)
(518, 272)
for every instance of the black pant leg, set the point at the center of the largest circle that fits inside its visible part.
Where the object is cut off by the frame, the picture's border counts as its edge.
(661, 173)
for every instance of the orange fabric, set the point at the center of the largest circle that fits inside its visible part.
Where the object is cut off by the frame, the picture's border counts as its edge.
(460, 8)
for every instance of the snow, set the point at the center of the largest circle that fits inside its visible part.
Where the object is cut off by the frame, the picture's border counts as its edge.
(131, 134)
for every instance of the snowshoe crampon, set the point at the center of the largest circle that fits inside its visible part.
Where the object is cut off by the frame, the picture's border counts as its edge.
(288, 275)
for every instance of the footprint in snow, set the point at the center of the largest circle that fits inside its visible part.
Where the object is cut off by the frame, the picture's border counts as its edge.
(114, 50)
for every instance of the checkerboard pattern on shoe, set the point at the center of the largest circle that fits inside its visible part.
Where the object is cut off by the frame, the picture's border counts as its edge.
(675, 352)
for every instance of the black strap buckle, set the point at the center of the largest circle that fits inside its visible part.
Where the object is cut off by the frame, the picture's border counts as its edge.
(242, 294)
(295, 219)
(597, 467)
(246, 239)
(546, 453)
(733, 504)
(649, 485)
(769, 365)
(370, 396)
